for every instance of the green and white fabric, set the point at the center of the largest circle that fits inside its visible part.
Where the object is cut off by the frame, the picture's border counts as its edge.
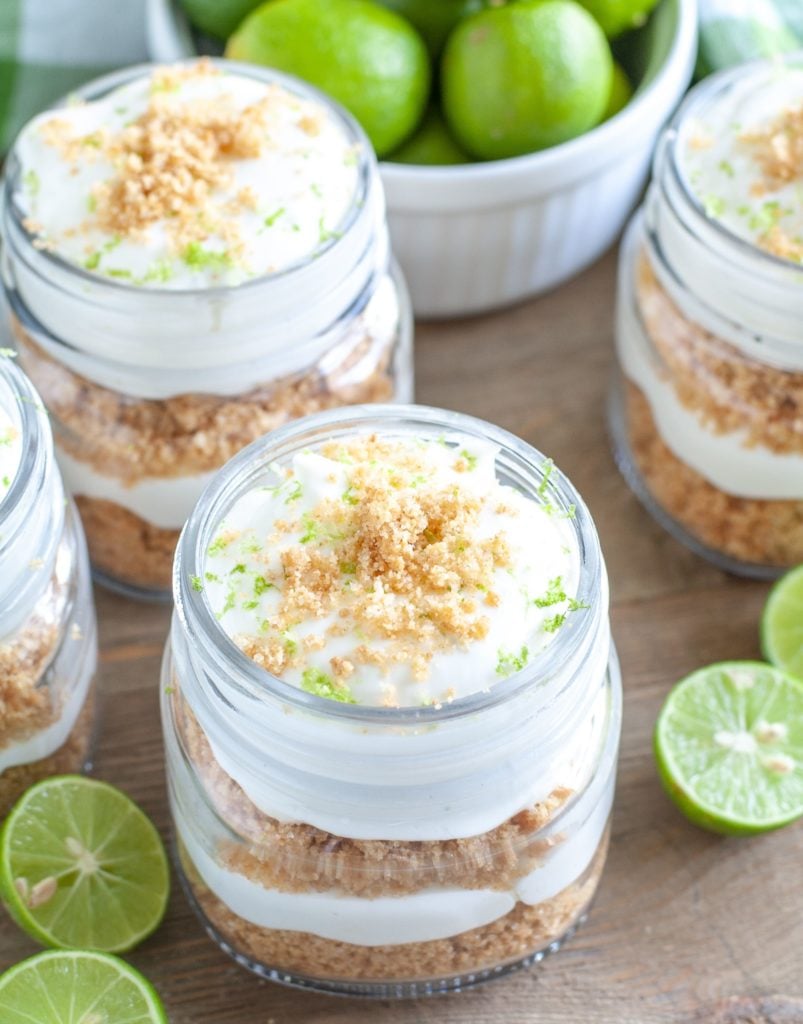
(48, 47)
(734, 31)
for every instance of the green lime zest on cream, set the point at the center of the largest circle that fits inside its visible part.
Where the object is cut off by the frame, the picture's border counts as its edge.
(509, 662)
(547, 468)
(271, 219)
(321, 685)
(218, 545)
(31, 182)
(198, 258)
(555, 594)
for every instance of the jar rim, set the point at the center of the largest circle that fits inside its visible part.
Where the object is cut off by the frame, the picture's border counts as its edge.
(99, 87)
(522, 462)
(668, 149)
(36, 436)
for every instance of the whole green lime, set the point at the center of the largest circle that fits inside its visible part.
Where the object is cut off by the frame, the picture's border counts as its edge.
(218, 18)
(368, 58)
(519, 78)
(621, 92)
(435, 19)
(431, 144)
(617, 16)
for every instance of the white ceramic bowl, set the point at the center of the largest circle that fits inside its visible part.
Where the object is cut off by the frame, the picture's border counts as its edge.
(474, 237)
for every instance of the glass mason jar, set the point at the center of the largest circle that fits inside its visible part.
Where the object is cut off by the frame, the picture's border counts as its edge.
(706, 411)
(48, 639)
(151, 390)
(377, 850)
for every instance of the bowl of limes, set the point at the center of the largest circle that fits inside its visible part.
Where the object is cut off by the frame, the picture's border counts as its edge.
(514, 136)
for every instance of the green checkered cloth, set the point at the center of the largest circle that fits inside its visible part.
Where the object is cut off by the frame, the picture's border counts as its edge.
(49, 47)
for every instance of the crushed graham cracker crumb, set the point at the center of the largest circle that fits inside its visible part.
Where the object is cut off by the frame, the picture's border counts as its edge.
(730, 393)
(413, 557)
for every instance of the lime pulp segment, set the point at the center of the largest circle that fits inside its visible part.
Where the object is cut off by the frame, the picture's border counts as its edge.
(729, 747)
(77, 987)
(82, 867)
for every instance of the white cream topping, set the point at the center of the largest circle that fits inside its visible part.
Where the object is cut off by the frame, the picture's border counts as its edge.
(165, 502)
(530, 598)
(722, 166)
(297, 189)
(10, 450)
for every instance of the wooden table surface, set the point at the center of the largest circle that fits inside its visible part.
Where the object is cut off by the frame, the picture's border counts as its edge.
(687, 926)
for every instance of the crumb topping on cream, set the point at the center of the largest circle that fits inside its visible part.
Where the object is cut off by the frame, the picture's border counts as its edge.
(743, 157)
(188, 177)
(392, 572)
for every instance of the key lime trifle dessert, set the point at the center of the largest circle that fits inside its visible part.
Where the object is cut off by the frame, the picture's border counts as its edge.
(391, 707)
(197, 254)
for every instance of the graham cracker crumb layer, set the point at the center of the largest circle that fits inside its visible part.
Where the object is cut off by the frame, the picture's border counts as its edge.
(71, 758)
(761, 532)
(125, 547)
(25, 706)
(509, 939)
(728, 390)
(297, 857)
(130, 439)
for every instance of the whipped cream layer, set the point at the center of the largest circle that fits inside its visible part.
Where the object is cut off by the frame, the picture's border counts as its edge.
(393, 573)
(726, 460)
(10, 449)
(394, 920)
(165, 502)
(189, 177)
(742, 155)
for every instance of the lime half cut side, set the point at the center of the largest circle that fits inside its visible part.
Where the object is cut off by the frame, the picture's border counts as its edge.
(77, 987)
(782, 623)
(82, 867)
(729, 747)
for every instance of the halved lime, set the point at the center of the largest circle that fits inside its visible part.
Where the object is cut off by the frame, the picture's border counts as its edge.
(77, 987)
(729, 747)
(782, 623)
(82, 867)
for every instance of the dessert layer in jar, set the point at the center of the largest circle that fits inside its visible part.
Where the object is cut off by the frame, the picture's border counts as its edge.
(136, 467)
(511, 939)
(190, 188)
(47, 667)
(296, 898)
(717, 436)
(390, 573)
(710, 336)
